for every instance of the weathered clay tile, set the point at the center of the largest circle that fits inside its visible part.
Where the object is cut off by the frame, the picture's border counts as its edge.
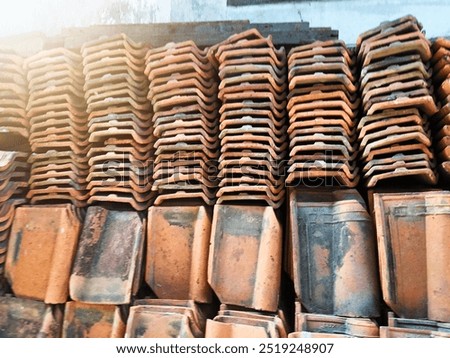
(335, 272)
(233, 322)
(414, 328)
(23, 318)
(219, 329)
(84, 320)
(387, 29)
(413, 252)
(177, 252)
(253, 232)
(42, 245)
(397, 44)
(395, 332)
(391, 67)
(155, 318)
(238, 312)
(107, 266)
(311, 323)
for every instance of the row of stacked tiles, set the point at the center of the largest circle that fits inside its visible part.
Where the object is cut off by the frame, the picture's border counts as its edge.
(187, 253)
(154, 318)
(123, 123)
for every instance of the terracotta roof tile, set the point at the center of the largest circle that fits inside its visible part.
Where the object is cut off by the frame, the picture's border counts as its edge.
(107, 265)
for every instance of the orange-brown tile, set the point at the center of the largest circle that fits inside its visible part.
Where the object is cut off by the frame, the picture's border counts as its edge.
(42, 245)
(177, 252)
(245, 252)
(331, 252)
(23, 318)
(412, 231)
(107, 266)
(84, 320)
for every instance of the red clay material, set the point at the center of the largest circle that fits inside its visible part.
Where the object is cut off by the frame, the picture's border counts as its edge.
(414, 328)
(42, 245)
(326, 324)
(83, 320)
(335, 272)
(254, 233)
(107, 265)
(414, 260)
(177, 252)
(155, 318)
(22, 318)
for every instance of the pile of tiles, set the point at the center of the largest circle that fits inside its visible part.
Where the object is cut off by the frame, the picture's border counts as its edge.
(233, 322)
(58, 133)
(252, 89)
(119, 122)
(14, 95)
(183, 92)
(441, 121)
(157, 318)
(311, 325)
(323, 107)
(14, 173)
(396, 96)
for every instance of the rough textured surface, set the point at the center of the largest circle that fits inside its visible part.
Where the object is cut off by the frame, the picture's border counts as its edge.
(42, 246)
(235, 322)
(83, 320)
(412, 233)
(414, 328)
(177, 252)
(332, 252)
(155, 318)
(307, 324)
(245, 252)
(107, 265)
(23, 318)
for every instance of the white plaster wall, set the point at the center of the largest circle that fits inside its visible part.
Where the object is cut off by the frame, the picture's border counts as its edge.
(350, 17)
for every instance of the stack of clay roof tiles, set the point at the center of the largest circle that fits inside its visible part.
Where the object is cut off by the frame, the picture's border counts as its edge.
(58, 133)
(183, 92)
(14, 96)
(323, 107)
(396, 94)
(253, 142)
(215, 122)
(441, 121)
(119, 122)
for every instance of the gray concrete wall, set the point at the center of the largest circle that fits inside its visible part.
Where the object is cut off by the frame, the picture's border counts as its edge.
(350, 17)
